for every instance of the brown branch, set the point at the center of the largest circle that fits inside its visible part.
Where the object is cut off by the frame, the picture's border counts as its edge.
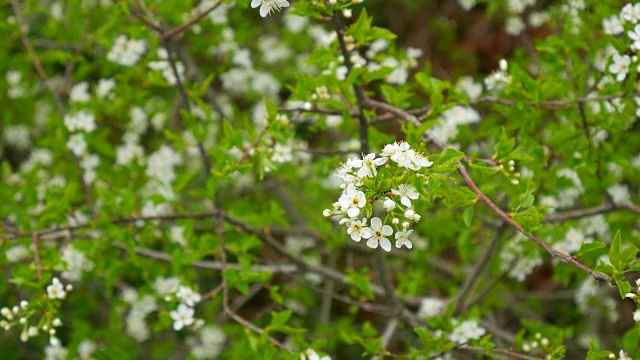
(190, 22)
(34, 57)
(211, 265)
(549, 103)
(508, 352)
(245, 154)
(553, 252)
(36, 256)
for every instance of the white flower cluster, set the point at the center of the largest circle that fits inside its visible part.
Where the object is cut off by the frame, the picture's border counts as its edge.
(16, 88)
(126, 52)
(465, 331)
(512, 260)
(539, 340)
(135, 322)
(209, 344)
(395, 201)
(500, 78)
(183, 315)
(629, 18)
(19, 315)
(77, 263)
(163, 65)
(311, 354)
(429, 307)
(17, 136)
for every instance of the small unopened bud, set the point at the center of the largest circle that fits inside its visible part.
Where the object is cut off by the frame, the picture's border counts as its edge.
(515, 181)
(33, 331)
(56, 322)
(526, 348)
(307, 106)
(15, 309)
(69, 287)
(389, 205)
(544, 342)
(395, 221)
(416, 217)
(326, 213)
(314, 97)
(22, 320)
(409, 214)
(54, 341)
(406, 224)
(6, 313)
(24, 336)
(347, 13)
(503, 65)
(24, 304)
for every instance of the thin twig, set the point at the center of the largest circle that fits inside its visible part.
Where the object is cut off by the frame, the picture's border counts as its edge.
(476, 272)
(190, 22)
(34, 57)
(211, 265)
(36, 256)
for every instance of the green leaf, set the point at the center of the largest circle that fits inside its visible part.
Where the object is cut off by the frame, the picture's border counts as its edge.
(528, 218)
(274, 293)
(468, 216)
(624, 287)
(504, 145)
(280, 318)
(614, 251)
(592, 246)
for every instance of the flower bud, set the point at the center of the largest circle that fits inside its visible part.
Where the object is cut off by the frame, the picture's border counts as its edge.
(22, 320)
(33, 331)
(395, 221)
(54, 341)
(406, 224)
(409, 214)
(24, 304)
(69, 287)
(15, 309)
(347, 13)
(503, 65)
(326, 213)
(389, 205)
(56, 322)
(416, 217)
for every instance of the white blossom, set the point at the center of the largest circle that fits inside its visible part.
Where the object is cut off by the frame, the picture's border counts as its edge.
(430, 306)
(126, 52)
(56, 290)
(182, 316)
(465, 331)
(620, 66)
(377, 235)
(269, 6)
